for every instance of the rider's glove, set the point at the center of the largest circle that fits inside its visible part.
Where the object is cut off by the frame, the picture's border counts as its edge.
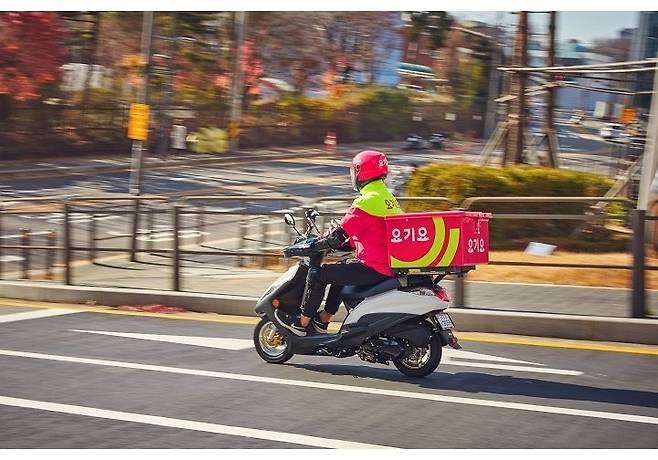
(334, 240)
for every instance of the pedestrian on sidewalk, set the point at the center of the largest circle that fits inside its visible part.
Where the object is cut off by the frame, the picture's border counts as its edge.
(178, 136)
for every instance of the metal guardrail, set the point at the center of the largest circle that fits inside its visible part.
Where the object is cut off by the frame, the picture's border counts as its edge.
(469, 202)
(198, 206)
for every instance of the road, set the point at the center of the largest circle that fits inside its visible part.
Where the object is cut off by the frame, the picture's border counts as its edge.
(75, 379)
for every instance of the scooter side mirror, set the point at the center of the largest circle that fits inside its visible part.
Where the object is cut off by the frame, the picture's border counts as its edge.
(312, 214)
(289, 219)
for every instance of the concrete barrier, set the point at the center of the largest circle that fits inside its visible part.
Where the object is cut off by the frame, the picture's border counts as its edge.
(599, 328)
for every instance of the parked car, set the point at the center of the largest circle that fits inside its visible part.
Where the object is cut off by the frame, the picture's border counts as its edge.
(636, 146)
(652, 210)
(612, 131)
(577, 117)
(415, 142)
(437, 140)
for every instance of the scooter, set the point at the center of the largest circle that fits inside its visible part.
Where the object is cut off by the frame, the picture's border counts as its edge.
(437, 140)
(400, 320)
(415, 142)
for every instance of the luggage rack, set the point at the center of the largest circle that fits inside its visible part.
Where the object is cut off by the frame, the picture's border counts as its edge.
(459, 271)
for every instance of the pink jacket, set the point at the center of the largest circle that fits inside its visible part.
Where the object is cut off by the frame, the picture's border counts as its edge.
(364, 223)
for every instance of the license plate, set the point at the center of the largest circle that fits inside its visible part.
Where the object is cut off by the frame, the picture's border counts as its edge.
(444, 321)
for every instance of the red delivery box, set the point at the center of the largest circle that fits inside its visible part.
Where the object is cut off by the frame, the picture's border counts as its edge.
(430, 240)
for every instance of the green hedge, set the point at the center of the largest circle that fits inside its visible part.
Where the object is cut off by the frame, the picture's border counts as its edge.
(458, 182)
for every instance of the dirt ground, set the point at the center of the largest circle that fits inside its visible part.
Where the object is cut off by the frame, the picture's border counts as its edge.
(576, 276)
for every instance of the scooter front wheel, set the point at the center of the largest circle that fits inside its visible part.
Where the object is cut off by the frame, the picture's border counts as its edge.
(270, 344)
(420, 361)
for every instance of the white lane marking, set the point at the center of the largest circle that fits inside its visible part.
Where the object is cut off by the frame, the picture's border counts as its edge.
(210, 342)
(34, 315)
(346, 388)
(187, 424)
(160, 235)
(11, 258)
(450, 357)
(508, 367)
(6, 237)
(469, 359)
(462, 354)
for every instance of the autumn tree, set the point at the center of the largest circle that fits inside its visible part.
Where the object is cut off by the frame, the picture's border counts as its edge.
(465, 59)
(435, 24)
(30, 53)
(618, 49)
(299, 46)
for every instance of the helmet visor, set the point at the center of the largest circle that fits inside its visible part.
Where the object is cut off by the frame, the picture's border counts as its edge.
(355, 185)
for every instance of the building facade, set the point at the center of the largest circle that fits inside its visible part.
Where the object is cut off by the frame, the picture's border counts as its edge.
(645, 45)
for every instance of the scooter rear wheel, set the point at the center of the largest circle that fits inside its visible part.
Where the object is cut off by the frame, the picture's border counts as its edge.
(270, 344)
(420, 361)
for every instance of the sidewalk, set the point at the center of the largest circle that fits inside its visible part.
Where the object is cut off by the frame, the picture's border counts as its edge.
(223, 278)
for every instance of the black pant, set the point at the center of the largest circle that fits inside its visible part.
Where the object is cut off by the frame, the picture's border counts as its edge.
(338, 275)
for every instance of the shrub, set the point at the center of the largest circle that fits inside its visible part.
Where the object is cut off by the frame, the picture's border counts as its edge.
(208, 140)
(385, 114)
(458, 182)
(353, 113)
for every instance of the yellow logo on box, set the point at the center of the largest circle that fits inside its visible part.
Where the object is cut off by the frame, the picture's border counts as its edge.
(138, 122)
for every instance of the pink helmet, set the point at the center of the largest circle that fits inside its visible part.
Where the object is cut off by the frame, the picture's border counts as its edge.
(366, 166)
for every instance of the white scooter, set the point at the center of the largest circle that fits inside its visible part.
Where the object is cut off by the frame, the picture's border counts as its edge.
(401, 319)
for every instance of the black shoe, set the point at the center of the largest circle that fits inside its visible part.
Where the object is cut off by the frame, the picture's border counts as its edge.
(292, 323)
(319, 325)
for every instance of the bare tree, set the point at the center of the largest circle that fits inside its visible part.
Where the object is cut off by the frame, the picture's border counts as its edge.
(300, 45)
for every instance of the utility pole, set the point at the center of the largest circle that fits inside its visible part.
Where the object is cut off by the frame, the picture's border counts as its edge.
(494, 81)
(240, 20)
(91, 62)
(165, 120)
(137, 170)
(516, 115)
(650, 149)
(494, 84)
(551, 136)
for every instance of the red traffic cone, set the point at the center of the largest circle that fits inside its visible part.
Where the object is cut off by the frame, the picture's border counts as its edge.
(330, 141)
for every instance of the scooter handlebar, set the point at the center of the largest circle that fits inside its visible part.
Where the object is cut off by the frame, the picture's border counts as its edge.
(300, 249)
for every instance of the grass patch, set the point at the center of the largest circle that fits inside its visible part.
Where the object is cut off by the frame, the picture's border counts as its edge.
(569, 276)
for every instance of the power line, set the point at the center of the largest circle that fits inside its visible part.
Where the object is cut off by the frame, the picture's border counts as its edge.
(642, 69)
(580, 66)
(603, 90)
(590, 77)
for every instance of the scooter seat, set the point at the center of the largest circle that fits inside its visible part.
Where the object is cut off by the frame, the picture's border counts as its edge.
(361, 292)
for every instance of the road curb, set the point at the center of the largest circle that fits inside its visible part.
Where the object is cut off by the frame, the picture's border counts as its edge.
(210, 303)
(597, 328)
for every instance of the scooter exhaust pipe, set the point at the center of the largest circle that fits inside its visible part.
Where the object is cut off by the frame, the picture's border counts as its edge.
(391, 350)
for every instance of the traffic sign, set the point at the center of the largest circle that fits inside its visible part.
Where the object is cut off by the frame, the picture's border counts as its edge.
(138, 122)
(628, 116)
(233, 129)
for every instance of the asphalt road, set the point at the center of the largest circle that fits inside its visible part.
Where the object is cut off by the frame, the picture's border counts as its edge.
(95, 380)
